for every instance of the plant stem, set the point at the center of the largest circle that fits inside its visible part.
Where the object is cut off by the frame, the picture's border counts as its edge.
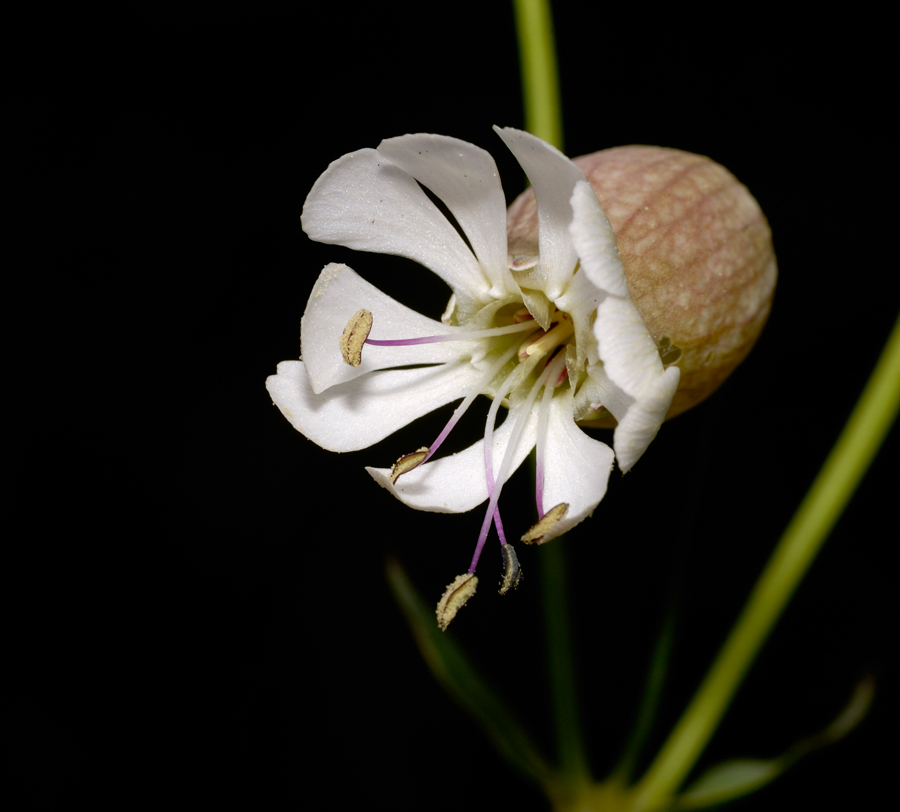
(832, 489)
(573, 760)
(540, 88)
(540, 79)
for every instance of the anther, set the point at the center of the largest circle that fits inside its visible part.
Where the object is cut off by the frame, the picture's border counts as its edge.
(455, 597)
(354, 336)
(545, 524)
(512, 572)
(407, 462)
(552, 338)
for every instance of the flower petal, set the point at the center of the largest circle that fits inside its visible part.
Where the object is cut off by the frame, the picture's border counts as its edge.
(340, 292)
(595, 242)
(634, 371)
(553, 177)
(456, 483)
(580, 300)
(644, 417)
(576, 467)
(466, 180)
(365, 410)
(599, 391)
(629, 353)
(364, 201)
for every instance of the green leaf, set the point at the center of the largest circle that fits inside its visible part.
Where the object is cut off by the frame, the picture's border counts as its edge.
(729, 780)
(456, 673)
(732, 779)
(653, 688)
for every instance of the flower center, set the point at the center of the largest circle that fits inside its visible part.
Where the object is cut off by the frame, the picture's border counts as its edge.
(544, 342)
(539, 367)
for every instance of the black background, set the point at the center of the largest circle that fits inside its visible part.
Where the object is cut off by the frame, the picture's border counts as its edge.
(267, 660)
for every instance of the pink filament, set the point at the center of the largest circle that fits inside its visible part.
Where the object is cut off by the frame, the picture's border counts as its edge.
(508, 454)
(476, 390)
(462, 335)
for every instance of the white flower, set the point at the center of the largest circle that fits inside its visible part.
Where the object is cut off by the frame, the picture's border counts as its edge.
(555, 337)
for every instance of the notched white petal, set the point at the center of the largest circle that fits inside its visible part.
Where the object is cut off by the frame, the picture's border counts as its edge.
(581, 300)
(366, 202)
(553, 177)
(595, 242)
(407, 462)
(545, 525)
(365, 410)
(576, 466)
(643, 419)
(354, 337)
(340, 293)
(602, 392)
(455, 597)
(632, 365)
(465, 178)
(629, 354)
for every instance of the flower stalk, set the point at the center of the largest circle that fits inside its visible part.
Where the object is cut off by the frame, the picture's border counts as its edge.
(848, 461)
(859, 442)
(540, 76)
(543, 118)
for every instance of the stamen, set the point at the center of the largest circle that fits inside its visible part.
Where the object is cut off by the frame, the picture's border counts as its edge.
(455, 597)
(539, 529)
(354, 336)
(475, 391)
(508, 455)
(458, 412)
(512, 572)
(465, 335)
(551, 339)
(508, 385)
(488, 446)
(407, 462)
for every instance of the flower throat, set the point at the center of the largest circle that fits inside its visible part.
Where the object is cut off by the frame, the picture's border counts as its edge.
(541, 356)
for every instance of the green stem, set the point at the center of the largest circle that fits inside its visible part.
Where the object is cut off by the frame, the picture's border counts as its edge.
(540, 79)
(832, 489)
(653, 688)
(540, 87)
(573, 760)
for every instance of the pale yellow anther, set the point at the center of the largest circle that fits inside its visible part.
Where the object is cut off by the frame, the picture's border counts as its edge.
(455, 597)
(354, 336)
(407, 462)
(541, 528)
(549, 340)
